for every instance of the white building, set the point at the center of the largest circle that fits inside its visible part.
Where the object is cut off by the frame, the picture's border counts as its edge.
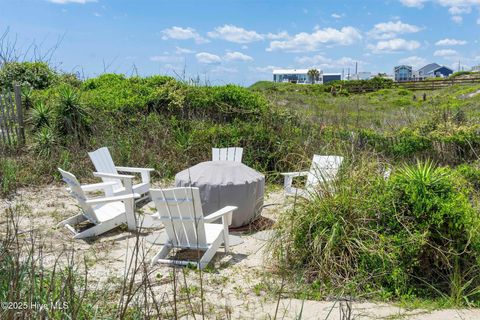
(291, 75)
(301, 76)
(476, 68)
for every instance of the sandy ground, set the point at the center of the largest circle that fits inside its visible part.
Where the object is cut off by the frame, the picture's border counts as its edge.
(237, 286)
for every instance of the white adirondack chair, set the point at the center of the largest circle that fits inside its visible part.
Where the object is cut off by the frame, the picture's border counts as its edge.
(324, 170)
(227, 154)
(105, 213)
(180, 210)
(103, 162)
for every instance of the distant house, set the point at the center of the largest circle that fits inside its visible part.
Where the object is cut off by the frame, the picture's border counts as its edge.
(403, 73)
(433, 70)
(475, 69)
(291, 75)
(329, 77)
(301, 76)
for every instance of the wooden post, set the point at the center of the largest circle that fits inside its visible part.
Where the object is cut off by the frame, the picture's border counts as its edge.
(18, 103)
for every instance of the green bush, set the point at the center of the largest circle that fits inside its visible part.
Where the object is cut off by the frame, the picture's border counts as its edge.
(471, 173)
(37, 75)
(413, 235)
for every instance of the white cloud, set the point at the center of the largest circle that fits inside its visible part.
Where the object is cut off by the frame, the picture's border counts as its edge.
(96, 14)
(445, 53)
(413, 3)
(323, 62)
(236, 56)
(267, 69)
(389, 30)
(71, 1)
(166, 58)
(179, 33)
(303, 42)
(276, 36)
(235, 34)
(450, 42)
(180, 50)
(457, 19)
(456, 8)
(393, 45)
(459, 10)
(208, 58)
(336, 15)
(414, 61)
(478, 21)
(221, 69)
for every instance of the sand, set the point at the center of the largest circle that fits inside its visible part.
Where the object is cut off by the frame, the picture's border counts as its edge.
(240, 284)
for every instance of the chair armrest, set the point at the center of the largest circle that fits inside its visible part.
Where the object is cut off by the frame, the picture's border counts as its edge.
(112, 176)
(126, 179)
(112, 199)
(136, 170)
(98, 186)
(288, 181)
(145, 172)
(220, 213)
(295, 174)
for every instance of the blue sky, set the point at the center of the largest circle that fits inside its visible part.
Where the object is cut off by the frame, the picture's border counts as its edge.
(242, 41)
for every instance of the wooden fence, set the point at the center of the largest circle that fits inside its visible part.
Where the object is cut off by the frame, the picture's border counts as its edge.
(437, 83)
(12, 130)
(432, 84)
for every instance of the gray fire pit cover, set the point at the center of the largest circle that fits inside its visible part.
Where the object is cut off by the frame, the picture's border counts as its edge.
(226, 183)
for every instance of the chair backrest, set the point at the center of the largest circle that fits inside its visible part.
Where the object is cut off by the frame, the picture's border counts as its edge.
(180, 210)
(324, 168)
(75, 189)
(227, 154)
(103, 162)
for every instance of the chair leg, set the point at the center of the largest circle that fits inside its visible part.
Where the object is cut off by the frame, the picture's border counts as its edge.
(208, 255)
(161, 254)
(72, 220)
(100, 228)
(226, 241)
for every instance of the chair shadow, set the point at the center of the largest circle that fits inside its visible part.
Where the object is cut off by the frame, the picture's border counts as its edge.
(260, 224)
(195, 255)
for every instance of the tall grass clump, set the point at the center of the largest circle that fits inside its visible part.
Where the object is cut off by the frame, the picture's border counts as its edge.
(8, 177)
(413, 235)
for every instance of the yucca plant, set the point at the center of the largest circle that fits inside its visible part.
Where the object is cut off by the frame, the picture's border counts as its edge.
(71, 115)
(40, 116)
(422, 185)
(45, 141)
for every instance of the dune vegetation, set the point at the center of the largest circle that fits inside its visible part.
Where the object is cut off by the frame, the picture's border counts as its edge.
(412, 235)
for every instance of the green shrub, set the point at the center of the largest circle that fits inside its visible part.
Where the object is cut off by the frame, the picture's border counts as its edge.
(37, 75)
(413, 235)
(471, 173)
